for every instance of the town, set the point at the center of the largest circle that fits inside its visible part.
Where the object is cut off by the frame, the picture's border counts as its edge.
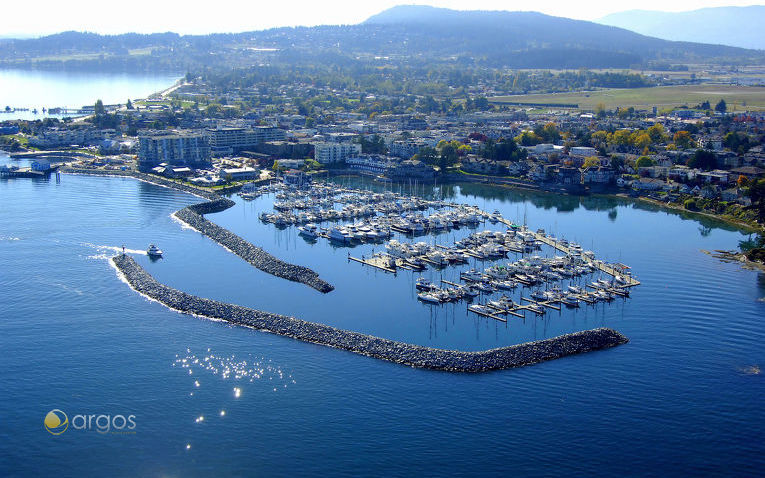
(702, 158)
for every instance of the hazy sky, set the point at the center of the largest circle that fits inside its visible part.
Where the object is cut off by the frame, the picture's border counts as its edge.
(48, 16)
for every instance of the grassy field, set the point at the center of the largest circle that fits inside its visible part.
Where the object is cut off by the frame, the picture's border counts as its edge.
(738, 98)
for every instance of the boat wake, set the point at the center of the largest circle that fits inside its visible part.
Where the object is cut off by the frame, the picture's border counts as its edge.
(107, 252)
(750, 370)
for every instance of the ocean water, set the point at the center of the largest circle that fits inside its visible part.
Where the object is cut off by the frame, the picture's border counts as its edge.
(33, 89)
(683, 397)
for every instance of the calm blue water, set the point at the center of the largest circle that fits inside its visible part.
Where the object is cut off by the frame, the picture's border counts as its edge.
(48, 89)
(679, 399)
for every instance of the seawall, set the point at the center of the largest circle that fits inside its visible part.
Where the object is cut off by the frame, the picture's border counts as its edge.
(193, 216)
(384, 349)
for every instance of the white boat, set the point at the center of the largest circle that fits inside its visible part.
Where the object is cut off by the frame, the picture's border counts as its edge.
(153, 251)
(309, 231)
(424, 284)
(537, 309)
(575, 290)
(429, 298)
(338, 235)
(570, 300)
(503, 303)
(471, 275)
(480, 309)
(504, 284)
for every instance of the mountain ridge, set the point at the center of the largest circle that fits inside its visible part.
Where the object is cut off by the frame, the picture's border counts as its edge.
(406, 33)
(732, 26)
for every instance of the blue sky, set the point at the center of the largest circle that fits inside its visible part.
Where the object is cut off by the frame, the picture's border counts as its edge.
(145, 16)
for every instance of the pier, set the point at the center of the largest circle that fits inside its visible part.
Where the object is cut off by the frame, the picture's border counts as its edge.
(602, 266)
(375, 261)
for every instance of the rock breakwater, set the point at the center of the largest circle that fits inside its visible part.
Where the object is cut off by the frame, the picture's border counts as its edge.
(193, 216)
(384, 349)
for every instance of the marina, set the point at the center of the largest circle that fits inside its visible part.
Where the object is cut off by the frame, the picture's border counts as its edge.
(565, 276)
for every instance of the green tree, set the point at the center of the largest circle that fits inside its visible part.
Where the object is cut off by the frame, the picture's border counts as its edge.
(99, 108)
(129, 104)
(703, 159)
(683, 140)
(756, 193)
(721, 106)
(591, 161)
(600, 110)
(644, 162)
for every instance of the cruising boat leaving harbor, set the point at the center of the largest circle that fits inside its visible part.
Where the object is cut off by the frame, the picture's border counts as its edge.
(153, 251)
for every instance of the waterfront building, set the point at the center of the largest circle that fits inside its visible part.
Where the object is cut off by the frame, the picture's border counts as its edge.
(226, 141)
(174, 148)
(411, 169)
(58, 137)
(407, 149)
(328, 153)
(297, 178)
(239, 174)
(370, 163)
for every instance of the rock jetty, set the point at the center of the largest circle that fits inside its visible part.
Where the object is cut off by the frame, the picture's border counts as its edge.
(384, 349)
(194, 217)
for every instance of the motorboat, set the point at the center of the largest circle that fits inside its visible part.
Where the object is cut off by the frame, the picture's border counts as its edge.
(537, 309)
(424, 284)
(153, 251)
(575, 289)
(503, 303)
(308, 231)
(429, 297)
(471, 275)
(570, 300)
(504, 284)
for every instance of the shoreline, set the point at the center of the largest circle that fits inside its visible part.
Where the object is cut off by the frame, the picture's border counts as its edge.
(487, 181)
(376, 347)
(742, 226)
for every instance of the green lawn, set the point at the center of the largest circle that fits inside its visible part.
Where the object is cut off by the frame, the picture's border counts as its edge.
(738, 98)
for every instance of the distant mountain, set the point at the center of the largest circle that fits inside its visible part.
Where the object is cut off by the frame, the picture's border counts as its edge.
(734, 26)
(413, 34)
(503, 32)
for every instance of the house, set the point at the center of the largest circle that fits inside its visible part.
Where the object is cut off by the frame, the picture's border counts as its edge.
(411, 168)
(568, 176)
(730, 195)
(598, 175)
(648, 184)
(708, 192)
(711, 142)
(750, 172)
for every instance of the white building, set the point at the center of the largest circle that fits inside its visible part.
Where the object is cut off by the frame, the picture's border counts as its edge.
(582, 151)
(327, 153)
(239, 174)
(370, 163)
